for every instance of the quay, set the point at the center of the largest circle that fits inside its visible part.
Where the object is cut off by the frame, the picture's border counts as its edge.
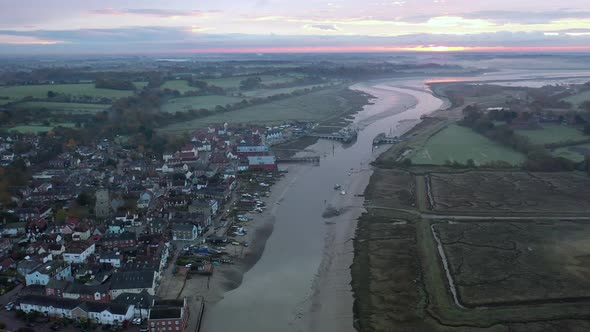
(311, 159)
(383, 139)
(344, 135)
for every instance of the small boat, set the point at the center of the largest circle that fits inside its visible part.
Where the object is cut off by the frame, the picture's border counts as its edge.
(343, 192)
(337, 187)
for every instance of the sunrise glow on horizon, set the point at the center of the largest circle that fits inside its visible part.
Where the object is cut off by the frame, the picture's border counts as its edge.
(273, 26)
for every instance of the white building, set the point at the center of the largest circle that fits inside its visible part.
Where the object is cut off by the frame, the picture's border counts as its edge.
(133, 282)
(110, 313)
(59, 270)
(98, 312)
(78, 252)
(112, 258)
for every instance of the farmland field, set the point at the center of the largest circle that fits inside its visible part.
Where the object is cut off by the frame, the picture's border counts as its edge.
(394, 189)
(179, 85)
(70, 107)
(40, 91)
(36, 129)
(578, 99)
(576, 153)
(140, 85)
(553, 134)
(234, 82)
(522, 275)
(523, 262)
(186, 103)
(384, 272)
(315, 106)
(261, 93)
(510, 192)
(456, 143)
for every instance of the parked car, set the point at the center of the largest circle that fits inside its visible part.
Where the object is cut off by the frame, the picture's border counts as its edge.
(9, 306)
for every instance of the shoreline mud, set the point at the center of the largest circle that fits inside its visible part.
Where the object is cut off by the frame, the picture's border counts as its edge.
(324, 300)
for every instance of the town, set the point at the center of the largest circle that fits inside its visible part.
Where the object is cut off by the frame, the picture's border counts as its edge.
(103, 235)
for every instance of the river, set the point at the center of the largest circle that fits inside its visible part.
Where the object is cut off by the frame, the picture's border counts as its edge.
(302, 280)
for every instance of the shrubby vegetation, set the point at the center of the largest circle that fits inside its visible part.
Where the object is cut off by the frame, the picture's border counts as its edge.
(114, 84)
(538, 159)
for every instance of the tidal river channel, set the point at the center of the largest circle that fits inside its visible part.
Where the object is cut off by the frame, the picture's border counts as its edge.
(302, 280)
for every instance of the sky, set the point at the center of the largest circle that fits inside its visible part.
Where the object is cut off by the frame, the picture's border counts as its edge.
(266, 26)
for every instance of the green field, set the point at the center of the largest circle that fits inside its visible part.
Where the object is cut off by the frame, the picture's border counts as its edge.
(234, 82)
(575, 153)
(553, 134)
(36, 129)
(140, 85)
(199, 102)
(69, 107)
(40, 91)
(456, 143)
(178, 85)
(262, 93)
(315, 106)
(578, 99)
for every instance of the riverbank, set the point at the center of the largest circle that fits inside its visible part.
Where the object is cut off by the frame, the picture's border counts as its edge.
(227, 277)
(414, 270)
(302, 280)
(332, 301)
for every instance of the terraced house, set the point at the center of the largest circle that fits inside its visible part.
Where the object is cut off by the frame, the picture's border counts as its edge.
(78, 252)
(59, 270)
(168, 315)
(100, 313)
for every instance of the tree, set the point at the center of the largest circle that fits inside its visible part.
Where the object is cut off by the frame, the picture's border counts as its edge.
(61, 215)
(71, 145)
(585, 106)
(51, 94)
(84, 199)
(250, 83)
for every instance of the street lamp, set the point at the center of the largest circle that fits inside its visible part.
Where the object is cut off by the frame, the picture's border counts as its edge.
(140, 315)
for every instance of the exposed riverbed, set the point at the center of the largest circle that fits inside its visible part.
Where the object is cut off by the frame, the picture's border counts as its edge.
(302, 280)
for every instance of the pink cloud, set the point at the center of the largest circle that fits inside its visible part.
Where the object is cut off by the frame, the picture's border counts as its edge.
(25, 40)
(152, 12)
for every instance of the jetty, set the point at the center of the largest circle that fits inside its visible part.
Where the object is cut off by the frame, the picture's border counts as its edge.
(345, 135)
(310, 159)
(384, 139)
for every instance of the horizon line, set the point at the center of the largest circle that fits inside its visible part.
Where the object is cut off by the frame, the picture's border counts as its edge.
(327, 50)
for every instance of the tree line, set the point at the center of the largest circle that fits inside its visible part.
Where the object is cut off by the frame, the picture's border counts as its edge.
(537, 157)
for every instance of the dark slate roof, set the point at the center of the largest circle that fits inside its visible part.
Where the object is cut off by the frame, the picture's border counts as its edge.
(120, 236)
(51, 266)
(169, 303)
(132, 279)
(56, 302)
(144, 299)
(139, 266)
(165, 313)
(75, 288)
(57, 284)
(182, 228)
